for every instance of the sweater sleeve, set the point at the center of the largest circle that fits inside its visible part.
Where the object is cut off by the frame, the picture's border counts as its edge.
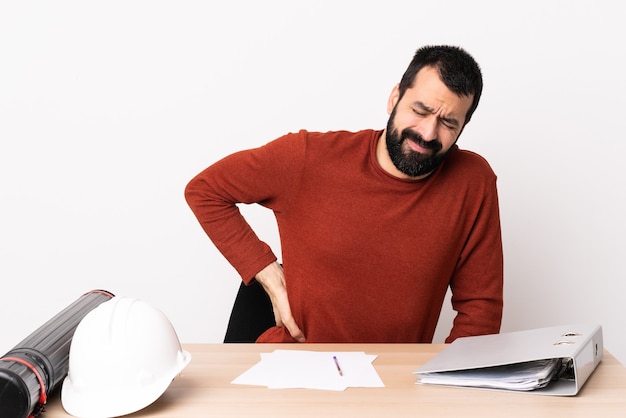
(267, 176)
(477, 284)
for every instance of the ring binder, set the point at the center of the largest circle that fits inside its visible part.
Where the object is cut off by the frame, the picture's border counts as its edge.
(480, 361)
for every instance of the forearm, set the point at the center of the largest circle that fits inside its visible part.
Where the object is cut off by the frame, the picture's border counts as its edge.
(267, 175)
(220, 218)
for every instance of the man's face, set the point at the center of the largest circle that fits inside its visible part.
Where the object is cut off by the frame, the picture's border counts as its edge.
(424, 124)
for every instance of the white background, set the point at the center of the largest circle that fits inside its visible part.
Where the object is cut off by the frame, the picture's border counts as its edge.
(108, 108)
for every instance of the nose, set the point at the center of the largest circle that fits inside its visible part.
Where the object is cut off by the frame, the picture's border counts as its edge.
(428, 129)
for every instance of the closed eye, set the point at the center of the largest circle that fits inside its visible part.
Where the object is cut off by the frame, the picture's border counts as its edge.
(449, 123)
(422, 110)
(419, 112)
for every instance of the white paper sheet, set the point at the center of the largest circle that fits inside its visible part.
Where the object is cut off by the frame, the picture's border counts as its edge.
(284, 369)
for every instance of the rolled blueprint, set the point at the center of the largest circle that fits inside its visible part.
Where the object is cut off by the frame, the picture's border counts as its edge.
(38, 364)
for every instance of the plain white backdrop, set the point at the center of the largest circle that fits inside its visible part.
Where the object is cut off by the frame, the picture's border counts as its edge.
(107, 109)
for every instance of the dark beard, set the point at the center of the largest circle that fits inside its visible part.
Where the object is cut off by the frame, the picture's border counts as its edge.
(410, 162)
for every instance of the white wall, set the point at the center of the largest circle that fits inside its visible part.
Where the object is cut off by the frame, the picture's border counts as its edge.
(107, 109)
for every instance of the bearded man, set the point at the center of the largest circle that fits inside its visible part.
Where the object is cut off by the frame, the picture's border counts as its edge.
(374, 225)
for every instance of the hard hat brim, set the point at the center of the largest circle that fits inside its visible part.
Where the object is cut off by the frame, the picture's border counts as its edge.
(115, 401)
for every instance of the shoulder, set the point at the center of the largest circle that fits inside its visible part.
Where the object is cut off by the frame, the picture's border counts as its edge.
(336, 136)
(305, 142)
(315, 146)
(466, 170)
(468, 163)
(337, 143)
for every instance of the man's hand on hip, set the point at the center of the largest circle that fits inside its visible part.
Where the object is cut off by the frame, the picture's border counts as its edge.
(272, 278)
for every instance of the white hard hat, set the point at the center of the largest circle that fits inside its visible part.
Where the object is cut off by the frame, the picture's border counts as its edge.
(123, 356)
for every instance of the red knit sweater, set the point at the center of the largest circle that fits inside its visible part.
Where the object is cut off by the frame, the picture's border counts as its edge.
(368, 257)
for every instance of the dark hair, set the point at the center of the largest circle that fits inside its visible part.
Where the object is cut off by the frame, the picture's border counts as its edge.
(457, 69)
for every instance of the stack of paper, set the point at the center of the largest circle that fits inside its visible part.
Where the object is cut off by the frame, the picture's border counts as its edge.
(284, 369)
(520, 376)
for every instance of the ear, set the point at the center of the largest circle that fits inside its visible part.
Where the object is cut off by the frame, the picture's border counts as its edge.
(393, 98)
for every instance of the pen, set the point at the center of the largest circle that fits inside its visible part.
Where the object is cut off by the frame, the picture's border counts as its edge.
(338, 367)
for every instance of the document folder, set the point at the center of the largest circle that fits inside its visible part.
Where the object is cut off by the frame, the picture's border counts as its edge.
(559, 359)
